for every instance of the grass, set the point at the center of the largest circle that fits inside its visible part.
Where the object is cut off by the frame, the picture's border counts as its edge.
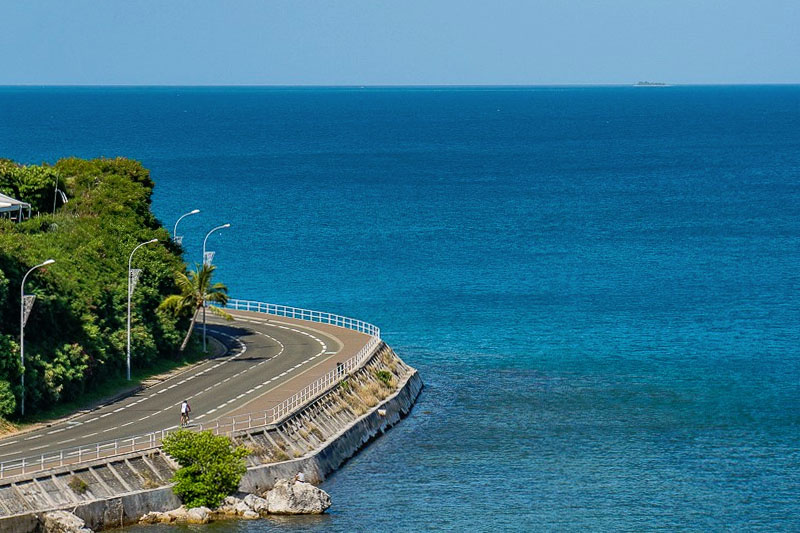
(317, 433)
(281, 455)
(148, 481)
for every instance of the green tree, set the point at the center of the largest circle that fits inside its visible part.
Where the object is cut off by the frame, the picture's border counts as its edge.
(196, 289)
(33, 184)
(8, 402)
(75, 336)
(211, 467)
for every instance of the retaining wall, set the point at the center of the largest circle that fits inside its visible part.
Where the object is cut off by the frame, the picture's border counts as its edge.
(316, 440)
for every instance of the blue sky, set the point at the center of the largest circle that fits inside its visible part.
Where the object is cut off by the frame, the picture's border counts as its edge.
(377, 42)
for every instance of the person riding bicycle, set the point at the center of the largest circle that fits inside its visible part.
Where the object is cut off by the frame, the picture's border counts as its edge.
(185, 410)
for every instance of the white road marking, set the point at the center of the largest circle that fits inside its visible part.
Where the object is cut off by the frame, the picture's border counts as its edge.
(243, 349)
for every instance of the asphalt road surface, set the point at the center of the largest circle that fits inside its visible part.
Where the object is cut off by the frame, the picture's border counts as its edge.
(268, 358)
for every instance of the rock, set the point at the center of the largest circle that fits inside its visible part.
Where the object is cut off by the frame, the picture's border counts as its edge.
(153, 517)
(178, 515)
(241, 508)
(228, 505)
(250, 515)
(259, 505)
(64, 522)
(197, 515)
(288, 497)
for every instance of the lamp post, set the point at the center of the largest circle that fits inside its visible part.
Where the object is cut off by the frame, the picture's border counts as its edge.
(209, 233)
(130, 292)
(204, 262)
(175, 230)
(22, 328)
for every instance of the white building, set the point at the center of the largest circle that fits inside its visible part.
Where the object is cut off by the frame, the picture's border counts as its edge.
(13, 208)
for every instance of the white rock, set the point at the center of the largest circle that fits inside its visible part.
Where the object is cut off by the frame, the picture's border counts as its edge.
(228, 505)
(64, 522)
(288, 497)
(250, 515)
(198, 515)
(178, 514)
(257, 504)
(241, 508)
(230, 500)
(153, 517)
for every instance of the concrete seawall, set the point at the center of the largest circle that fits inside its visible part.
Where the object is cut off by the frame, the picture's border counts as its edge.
(343, 446)
(316, 439)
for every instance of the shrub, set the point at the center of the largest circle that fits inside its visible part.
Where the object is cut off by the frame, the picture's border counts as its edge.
(78, 485)
(211, 466)
(384, 376)
(8, 403)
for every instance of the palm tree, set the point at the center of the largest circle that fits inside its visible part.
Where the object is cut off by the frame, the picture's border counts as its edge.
(196, 290)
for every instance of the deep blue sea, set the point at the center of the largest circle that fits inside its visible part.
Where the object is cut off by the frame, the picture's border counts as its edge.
(600, 286)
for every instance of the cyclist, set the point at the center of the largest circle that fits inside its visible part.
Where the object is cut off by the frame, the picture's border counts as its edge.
(185, 410)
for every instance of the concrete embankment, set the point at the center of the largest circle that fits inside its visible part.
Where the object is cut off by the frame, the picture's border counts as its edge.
(315, 439)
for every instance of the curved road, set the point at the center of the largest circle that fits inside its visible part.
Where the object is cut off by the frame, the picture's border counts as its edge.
(269, 359)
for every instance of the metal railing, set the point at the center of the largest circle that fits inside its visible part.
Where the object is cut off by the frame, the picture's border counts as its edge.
(305, 314)
(221, 426)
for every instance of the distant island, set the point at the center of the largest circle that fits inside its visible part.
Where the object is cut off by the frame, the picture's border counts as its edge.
(650, 84)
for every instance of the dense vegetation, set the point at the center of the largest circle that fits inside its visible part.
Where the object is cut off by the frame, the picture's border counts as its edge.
(76, 335)
(211, 467)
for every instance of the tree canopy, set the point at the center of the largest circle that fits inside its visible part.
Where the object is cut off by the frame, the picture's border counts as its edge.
(76, 334)
(196, 290)
(211, 467)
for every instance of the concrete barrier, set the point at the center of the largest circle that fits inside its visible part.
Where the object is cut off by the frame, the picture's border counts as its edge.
(337, 433)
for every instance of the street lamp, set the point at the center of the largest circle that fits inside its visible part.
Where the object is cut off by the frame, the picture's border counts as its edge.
(175, 230)
(204, 262)
(130, 292)
(22, 306)
(209, 233)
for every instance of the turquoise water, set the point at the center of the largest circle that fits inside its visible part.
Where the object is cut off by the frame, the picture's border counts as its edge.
(600, 286)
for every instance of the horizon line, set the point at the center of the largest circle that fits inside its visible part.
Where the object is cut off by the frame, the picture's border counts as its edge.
(389, 86)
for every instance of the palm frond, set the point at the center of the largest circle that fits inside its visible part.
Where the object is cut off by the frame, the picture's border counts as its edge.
(220, 312)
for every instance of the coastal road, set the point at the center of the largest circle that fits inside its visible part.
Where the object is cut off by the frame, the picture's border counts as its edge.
(269, 358)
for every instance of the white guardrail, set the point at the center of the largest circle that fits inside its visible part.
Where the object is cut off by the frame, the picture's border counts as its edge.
(222, 426)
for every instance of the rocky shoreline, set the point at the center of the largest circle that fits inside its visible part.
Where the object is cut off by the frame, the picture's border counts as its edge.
(287, 497)
(347, 420)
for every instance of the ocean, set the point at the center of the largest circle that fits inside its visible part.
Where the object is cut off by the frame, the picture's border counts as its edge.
(599, 285)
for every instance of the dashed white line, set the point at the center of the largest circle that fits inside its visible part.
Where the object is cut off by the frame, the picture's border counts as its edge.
(189, 378)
